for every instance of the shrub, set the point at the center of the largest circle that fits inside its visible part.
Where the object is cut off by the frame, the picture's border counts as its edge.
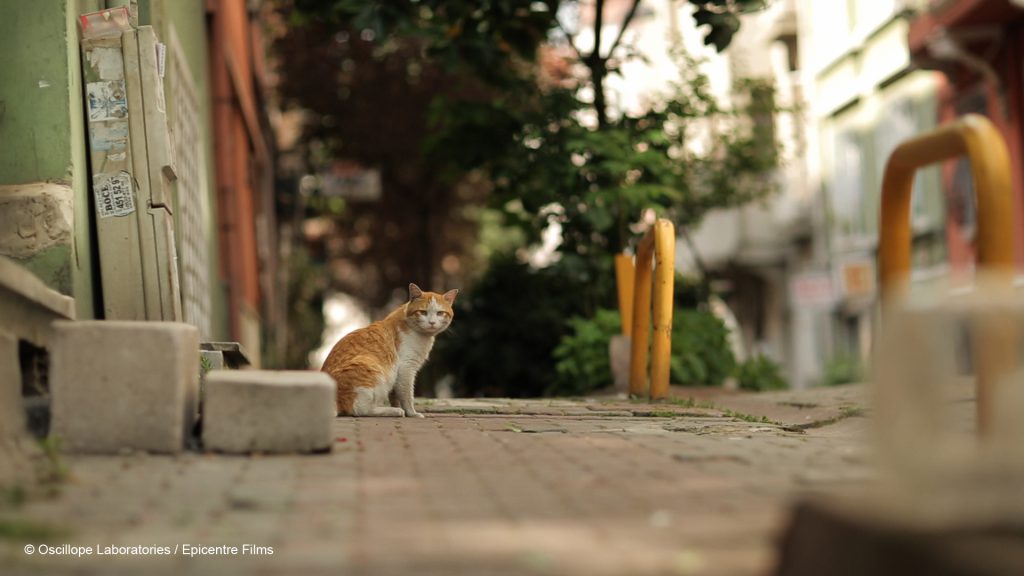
(842, 370)
(505, 330)
(760, 374)
(582, 355)
(524, 332)
(701, 355)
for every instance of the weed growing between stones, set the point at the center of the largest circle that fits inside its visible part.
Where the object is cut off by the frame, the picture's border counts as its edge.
(750, 418)
(27, 531)
(51, 469)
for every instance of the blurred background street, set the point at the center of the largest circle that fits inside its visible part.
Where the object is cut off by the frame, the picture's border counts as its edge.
(188, 186)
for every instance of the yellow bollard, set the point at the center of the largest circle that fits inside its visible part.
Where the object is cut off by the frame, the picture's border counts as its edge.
(641, 316)
(659, 243)
(664, 282)
(977, 138)
(624, 281)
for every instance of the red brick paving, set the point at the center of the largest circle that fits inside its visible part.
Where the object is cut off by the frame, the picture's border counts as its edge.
(534, 492)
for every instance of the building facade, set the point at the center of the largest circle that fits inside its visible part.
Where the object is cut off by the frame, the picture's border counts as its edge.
(213, 80)
(978, 47)
(865, 96)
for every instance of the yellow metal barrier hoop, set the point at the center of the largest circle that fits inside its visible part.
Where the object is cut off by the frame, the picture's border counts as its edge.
(977, 138)
(661, 240)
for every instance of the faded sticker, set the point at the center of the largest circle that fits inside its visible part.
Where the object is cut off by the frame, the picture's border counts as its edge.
(108, 62)
(107, 100)
(161, 58)
(114, 195)
(107, 136)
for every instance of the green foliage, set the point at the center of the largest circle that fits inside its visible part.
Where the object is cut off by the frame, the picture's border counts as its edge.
(701, 355)
(13, 496)
(506, 328)
(700, 352)
(306, 287)
(722, 18)
(51, 469)
(582, 355)
(690, 291)
(750, 417)
(597, 183)
(842, 370)
(204, 365)
(28, 531)
(480, 36)
(760, 374)
(546, 161)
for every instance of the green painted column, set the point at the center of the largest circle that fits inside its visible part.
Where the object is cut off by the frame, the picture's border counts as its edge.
(45, 215)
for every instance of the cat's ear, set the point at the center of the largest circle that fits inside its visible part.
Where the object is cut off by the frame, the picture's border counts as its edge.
(450, 296)
(414, 292)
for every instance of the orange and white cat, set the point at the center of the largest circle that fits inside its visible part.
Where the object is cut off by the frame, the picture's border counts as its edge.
(384, 357)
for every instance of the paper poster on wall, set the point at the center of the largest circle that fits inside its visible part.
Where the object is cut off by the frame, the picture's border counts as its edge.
(114, 194)
(109, 136)
(107, 100)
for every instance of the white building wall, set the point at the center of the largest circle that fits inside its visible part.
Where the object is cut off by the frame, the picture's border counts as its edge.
(864, 98)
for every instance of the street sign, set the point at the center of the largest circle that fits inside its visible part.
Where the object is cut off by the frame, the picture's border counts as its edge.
(857, 279)
(813, 289)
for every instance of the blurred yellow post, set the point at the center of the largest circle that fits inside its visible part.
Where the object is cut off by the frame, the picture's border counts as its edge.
(624, 281)
(978, 139)
(660, 243)
(664, 282)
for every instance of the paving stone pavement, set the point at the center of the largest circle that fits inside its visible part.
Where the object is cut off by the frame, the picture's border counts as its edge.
(503, 487)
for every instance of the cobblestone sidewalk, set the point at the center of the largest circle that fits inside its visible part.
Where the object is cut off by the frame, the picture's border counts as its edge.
(478, 487)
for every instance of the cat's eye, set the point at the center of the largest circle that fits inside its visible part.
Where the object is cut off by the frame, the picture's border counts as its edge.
(442, 314)
(421, 312)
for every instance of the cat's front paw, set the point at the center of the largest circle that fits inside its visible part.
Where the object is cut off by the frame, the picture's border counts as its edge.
(413, 414)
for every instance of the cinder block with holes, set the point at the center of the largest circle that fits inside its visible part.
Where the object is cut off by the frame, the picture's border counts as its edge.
(268, 411)
(124, 385)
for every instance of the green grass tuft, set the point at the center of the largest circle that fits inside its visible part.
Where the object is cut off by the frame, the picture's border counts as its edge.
(24, 530)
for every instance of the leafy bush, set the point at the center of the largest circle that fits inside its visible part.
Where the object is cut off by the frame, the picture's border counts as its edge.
(524, 332)
(505, 330)
(700, 352)
(842, 370)
(760, 374)
(701, 355)
(690, 292)
(582, 356)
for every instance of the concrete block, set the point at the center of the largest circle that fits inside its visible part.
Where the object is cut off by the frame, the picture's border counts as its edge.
(211, 360)
(17, 451)
(267, 411)
(124, 385)
(619, 355)
(12, 419)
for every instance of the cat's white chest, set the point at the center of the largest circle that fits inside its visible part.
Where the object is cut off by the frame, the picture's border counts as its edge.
(413, 350)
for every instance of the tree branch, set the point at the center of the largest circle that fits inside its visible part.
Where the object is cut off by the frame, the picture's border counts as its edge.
(595, 54)
(568, 38)
(625, 24)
